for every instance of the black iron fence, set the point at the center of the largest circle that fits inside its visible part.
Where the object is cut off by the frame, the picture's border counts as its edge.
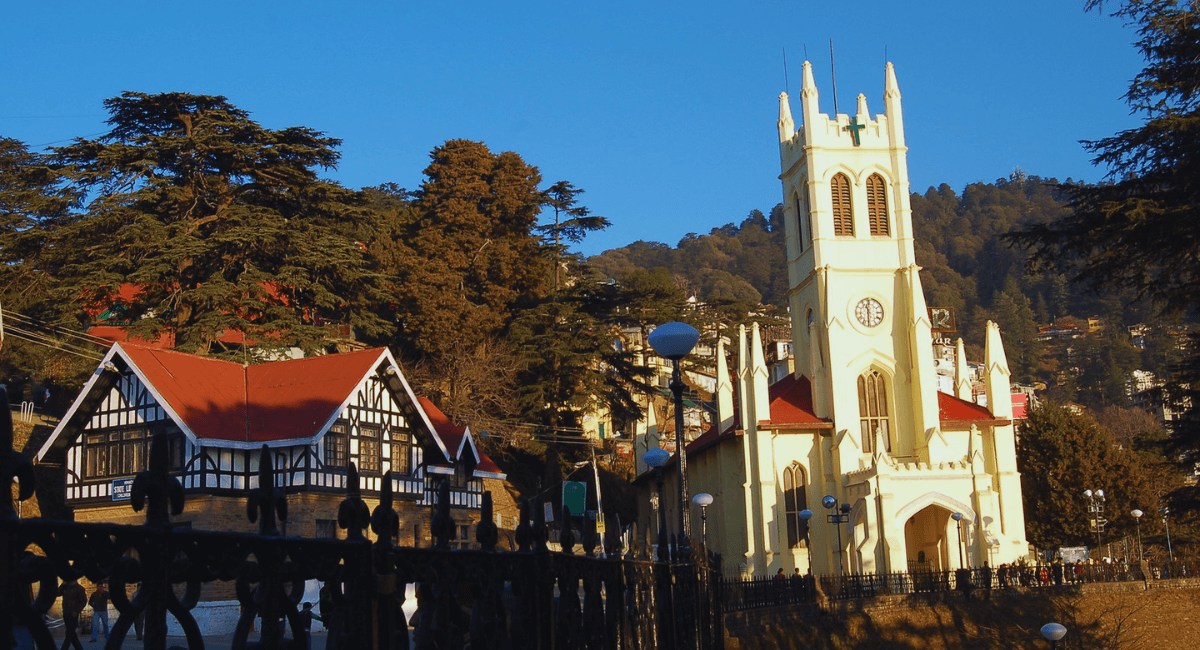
(750, 593)
(487, 598)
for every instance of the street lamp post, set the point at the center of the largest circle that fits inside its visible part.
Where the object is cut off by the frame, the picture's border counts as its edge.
(656, 458)
(1053, 632)
(837, 516)
(807, 514)
(1137, 518)
(674, 341)
(1165, 512)
(704, 500)
(957, 517)
(1096, 511)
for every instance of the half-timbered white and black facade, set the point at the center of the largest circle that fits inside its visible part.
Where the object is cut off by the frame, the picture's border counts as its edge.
(316, 415)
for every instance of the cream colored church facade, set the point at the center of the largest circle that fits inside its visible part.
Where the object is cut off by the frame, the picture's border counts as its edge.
(861, 419)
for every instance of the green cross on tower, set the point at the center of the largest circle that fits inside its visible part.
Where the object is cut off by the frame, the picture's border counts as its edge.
(854, 128)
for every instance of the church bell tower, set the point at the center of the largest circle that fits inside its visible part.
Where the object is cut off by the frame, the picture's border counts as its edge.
(861, 330)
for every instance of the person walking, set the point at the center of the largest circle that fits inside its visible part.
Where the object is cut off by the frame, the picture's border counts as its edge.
(99, 604)
(74, 599)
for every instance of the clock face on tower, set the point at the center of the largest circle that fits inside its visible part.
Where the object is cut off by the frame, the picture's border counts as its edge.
(869, 312)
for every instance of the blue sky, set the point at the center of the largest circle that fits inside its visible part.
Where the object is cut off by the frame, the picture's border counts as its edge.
(664, 112)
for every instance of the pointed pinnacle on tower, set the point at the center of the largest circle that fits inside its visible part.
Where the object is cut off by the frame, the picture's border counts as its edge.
(787, 126)
(862, 107)
(890, 87)
(759, 379)
(999, 388)
(962, 380)
(808, 87)
(743, 378)
(724, 390)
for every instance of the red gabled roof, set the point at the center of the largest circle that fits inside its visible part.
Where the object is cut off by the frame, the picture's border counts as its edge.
(791, 402)
(952, 410)
(450, 433)
(457, 439)
(295, 398)
(225, 400)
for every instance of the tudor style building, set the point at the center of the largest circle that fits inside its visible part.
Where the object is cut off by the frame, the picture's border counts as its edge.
(316, 415)
(861, 419)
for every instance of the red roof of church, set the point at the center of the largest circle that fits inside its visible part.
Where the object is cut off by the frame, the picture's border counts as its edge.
(952, 410)
(791, 402)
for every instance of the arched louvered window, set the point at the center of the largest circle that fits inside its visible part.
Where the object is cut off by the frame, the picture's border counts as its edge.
(801, 218)
(877, 213)
(795, 499)
(843, 214)
(873, 410)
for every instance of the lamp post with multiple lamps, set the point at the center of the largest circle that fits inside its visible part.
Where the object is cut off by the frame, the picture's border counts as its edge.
(674, 341)
(837, 516)
(1053, 632)
(656, 458)
(1137, 518)
(1096, 512)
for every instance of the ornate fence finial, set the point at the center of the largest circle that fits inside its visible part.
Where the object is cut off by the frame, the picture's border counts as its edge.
(486, 533)
(540, 534)
(266, 499)
(566, 537)
(13, 465)
(353, 513)
(443, 523)
(525, 528)
(589, 537)
(384, 520)
(157, 486)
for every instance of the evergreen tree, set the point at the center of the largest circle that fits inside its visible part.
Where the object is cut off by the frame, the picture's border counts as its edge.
(465, 256)
(1140, 231)
(571, 221)
(1060, 454)
(221, 226)
(1016, 320)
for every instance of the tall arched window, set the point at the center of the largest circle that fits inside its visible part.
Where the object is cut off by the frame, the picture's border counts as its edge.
(801, 217)
(795, 499)
(873, 410)
(843, 214)
(877, 213)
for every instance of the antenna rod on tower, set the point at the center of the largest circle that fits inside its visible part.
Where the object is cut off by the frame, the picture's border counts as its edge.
(785, 79)
(833, 73)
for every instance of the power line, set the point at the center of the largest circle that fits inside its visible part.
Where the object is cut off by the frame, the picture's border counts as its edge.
(22, 335)
(36, 322)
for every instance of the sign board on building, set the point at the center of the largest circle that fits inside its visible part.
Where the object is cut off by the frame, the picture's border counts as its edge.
(575, 497)
(122, 489)
(625, 448)
(941, 320)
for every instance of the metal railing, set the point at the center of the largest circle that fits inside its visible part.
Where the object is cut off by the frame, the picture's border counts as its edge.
(751, 593)
(488, 598)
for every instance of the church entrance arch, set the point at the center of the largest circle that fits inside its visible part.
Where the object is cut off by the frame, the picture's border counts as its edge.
(928, 540)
